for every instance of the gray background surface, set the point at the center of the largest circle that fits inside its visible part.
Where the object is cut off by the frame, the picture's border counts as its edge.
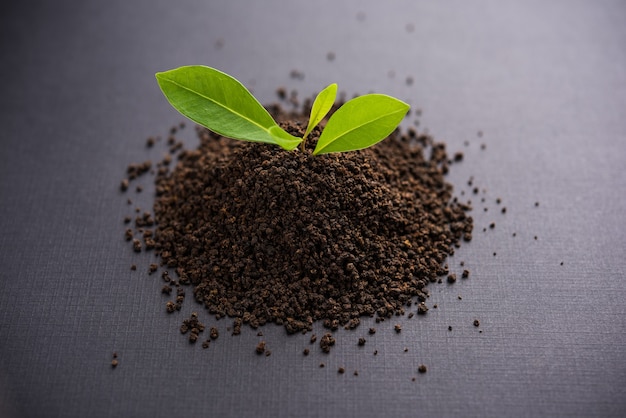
(544, 81)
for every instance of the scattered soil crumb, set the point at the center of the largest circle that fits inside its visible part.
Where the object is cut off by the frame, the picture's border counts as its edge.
(327, 342)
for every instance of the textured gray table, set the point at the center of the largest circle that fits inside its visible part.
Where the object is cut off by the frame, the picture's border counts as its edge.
(544, 81)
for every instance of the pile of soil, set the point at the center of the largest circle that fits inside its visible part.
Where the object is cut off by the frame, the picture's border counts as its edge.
(265, 235)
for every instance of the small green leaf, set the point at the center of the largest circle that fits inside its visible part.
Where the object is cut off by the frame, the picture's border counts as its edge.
(283, 138)
(222, 104)
(321, 106)
(361, 123)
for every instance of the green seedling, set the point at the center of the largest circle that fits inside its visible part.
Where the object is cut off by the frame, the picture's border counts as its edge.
(222, 104)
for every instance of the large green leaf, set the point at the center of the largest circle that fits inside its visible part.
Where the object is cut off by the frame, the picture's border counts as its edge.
(321, 106)
(361, 123)
(222, 104)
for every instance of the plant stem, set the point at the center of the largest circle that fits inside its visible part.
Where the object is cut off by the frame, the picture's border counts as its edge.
(303, 143)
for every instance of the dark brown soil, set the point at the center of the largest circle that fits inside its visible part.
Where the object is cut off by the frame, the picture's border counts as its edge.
(265, 235)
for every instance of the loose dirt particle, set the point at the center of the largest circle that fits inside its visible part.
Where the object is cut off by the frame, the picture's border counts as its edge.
(372, 331)
(422, 309)
(327, 342)
(296, 74)
(422, 368)
(305, 352)
(193, 326)
(465, 274)
(260, 348)
(476, 322)
(214, 333)
(114, 363)
(341, 370)
(397, 328)
(361, 341)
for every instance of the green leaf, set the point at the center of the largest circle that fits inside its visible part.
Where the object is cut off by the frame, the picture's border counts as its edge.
(361, 123)
(283, 138)
(222, 104)
(321, 106)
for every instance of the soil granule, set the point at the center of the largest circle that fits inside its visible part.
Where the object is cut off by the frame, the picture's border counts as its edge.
(265, 235)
